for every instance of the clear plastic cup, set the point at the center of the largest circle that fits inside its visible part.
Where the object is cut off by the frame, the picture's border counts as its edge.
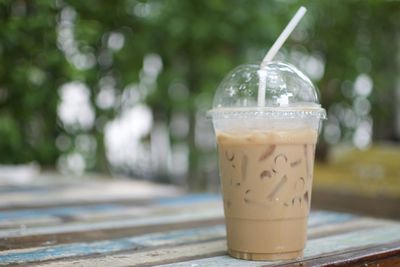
(266, 158)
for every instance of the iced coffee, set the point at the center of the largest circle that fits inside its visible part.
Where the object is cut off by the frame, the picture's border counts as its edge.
(266, 179)
(266, 157)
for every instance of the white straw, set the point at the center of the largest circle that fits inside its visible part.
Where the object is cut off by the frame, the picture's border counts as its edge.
(274, 49)
(261, 87)
(284, 35)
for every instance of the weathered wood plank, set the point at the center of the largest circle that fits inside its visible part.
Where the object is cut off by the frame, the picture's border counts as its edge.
(326, 246)
(88, 236)
(47, 240)
(147, 258)
(73, 232)
(322, 217)
(94, 224)
(169, 239)
(59, 211)
(30, 222)
(97, 212)
(381, 255)
(86, 191)
(12, 189)
(22, 239)
(132, 243)
(345, 226)
(135, 220)
(179, 216)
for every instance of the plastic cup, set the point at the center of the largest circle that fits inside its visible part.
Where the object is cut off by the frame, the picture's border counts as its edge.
(266, 158)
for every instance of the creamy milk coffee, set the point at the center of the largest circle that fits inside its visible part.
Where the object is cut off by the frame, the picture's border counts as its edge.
(266, 179)
(266, 158)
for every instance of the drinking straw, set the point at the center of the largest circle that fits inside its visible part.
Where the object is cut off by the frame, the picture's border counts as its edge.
(274, 50)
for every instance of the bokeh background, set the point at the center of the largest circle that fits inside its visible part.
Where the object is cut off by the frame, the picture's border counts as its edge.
(122, 87)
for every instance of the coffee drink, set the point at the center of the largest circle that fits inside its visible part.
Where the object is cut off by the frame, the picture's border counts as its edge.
(266, 178)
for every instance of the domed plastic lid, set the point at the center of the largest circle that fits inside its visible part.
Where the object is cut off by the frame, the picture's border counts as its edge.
(288, 93)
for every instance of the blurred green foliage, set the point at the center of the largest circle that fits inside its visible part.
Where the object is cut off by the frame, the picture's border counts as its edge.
(198, 43)
(31, 70)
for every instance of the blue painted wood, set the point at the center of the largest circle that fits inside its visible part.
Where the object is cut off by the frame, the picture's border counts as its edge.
(84, 249)
(314, 248)
(165, 242)
(145, 241)
(318, 218)
(98, 208)
(74, 211)
(59, 211)
(211, 213)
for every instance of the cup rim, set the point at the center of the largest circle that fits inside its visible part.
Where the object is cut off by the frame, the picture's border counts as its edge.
(289, 112)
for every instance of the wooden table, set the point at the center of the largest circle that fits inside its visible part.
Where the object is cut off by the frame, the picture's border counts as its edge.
(124, 223)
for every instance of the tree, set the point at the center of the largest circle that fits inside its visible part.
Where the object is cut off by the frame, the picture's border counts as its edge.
(171, 55)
